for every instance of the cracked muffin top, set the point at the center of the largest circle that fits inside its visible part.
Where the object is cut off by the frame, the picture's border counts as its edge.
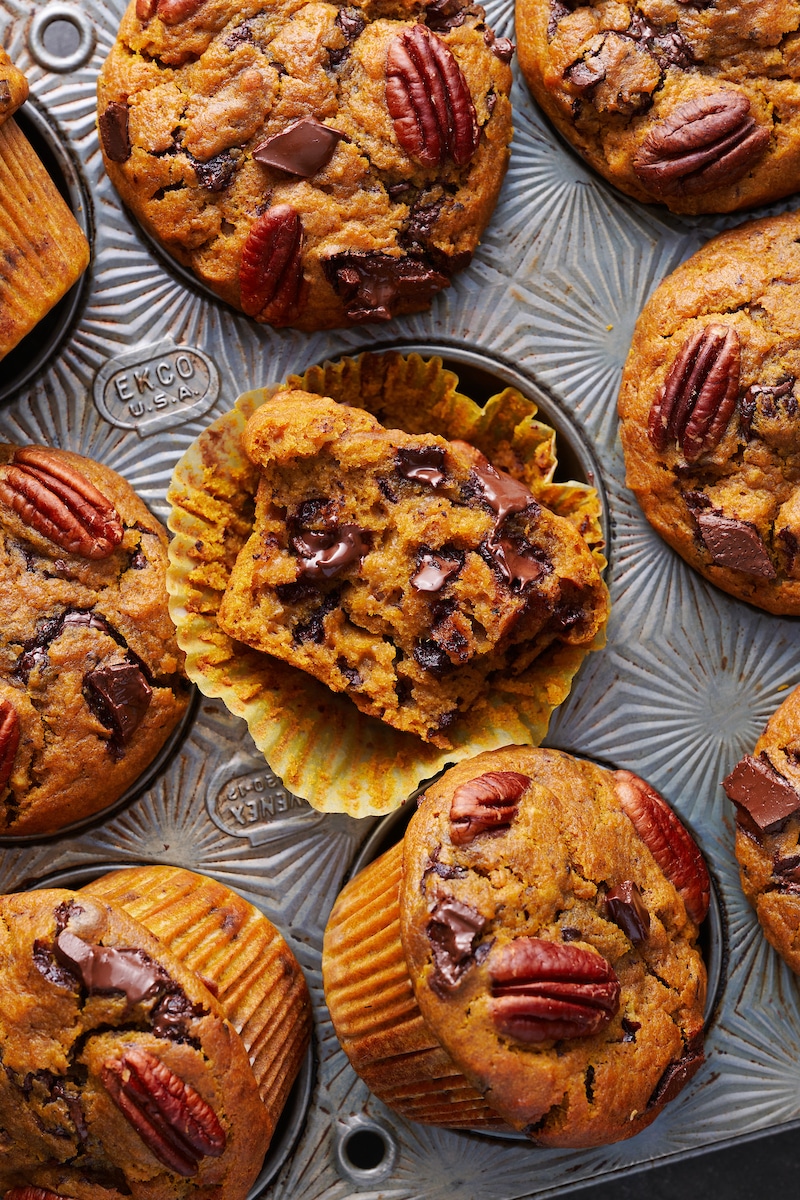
(549, 912)
(402, 569)
(91, 677)
(765, 787)
(709, 410)
(121, 1077)
(314, 165)
(692, 104)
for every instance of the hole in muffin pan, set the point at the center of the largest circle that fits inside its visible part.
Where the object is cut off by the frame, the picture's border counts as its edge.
(44, 341)
(61, 38)
(712, 938)
(365, 1150)
(137, 788)
(292, 1119)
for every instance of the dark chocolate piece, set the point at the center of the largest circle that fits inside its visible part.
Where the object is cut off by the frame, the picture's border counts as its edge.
(502, 47)
(106, 969)
(418, 229)
(442, 15)
(423, 464)
(626, 908)
(216, 174)
(351, 23)
(569, 934)
(313, 629)
(434, 572)
(679, 1073)
(755, 786)
(762, 400)
(452, 931)
(120, 696)
(504, 494)
(113, 125)
(431, 657)
(302, 148)
(630, 1029)
(323, 554)
(735, 544)
(173, 1011)
(35, 649)
(371, 285)
(518, 568)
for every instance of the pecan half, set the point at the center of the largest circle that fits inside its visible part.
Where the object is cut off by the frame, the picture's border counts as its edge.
(9, 740)
(667, 839)
(173, 1120)
(705, 143)
(698, 396)
(60, 503)
(488, 802)
(543, 990)
(271, 271)
(428, 99)
(172, 12)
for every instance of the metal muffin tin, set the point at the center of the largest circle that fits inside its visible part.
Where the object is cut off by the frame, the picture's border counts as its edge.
(140, 360)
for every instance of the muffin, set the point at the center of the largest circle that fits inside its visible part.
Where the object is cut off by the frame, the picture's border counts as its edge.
(709, 412)
(122, 1074)
(691, 105)
(526, 958)
(91, 678)
(403, 570)
(765, 788)
(42, 249)
(347, 759)
(314, 165)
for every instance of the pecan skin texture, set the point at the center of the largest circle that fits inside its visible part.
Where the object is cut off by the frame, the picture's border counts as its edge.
(668, 840)
(173, 1120)
(547, 990)
(9, 740)
(704, 143)
(698, 397)
(60, 503)
(271, 271)
(428, 100)
(171, 12)
(486, 803)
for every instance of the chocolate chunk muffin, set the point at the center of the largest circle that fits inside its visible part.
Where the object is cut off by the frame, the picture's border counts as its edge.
(527, 957)
(689, 104)
(91, 678)
(709, 410)
(121, 1074)
(314, 165)
(401, 569)
(765, 788)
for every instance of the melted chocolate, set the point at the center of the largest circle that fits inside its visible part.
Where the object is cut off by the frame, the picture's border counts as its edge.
(434, 572)
(105, 969)
(120, 696)
(626, 908)
(755, 786)
(302, 148)
(735, 544)
(35, 650)
(373, 284)
(113, 126)
(504, 494)
(423, 464)
(453, 931)
(518, 568)
(217, 173)
(323, 554)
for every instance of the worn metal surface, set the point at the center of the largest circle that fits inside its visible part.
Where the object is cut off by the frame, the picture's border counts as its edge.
(683, 688)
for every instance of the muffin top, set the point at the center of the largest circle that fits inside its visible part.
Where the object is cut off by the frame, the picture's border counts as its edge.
(121, 1076)
(549, 914)
(13, 87)
(690, 104)
(709, 412)
(765, 787)
(315, 165)
(91, 678)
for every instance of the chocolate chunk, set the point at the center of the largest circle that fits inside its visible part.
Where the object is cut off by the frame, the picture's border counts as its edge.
(434, 572)
(35, 649)
(431, 657)
(586, 72)
(424, 464)
(351, 23)
(665, 43)
(351, 674)
(504, 494)
(216, 174)
(630, 1029)
(442, 15)
(569, 934)
(679, 1073)
(502, 47)
(735, 544)
(106, 969)
(755, 786)
(313, 629)
(113, 125)
(419, 227)
(171, 1015)
(453, 931)
(323, 554)
(763, 401)
(626, 908)
(371, 285)
(787, 868)
(119, 695)
(516, 562)
(302, 148)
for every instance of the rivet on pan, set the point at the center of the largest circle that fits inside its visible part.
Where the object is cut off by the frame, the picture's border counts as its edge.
(53, 32)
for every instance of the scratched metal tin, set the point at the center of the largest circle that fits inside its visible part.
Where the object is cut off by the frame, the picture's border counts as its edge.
(144, 359)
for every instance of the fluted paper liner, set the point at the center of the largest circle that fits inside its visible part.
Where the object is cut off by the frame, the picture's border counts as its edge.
(42, 249)
(376, 1016)
(233, 948)
(322, 747)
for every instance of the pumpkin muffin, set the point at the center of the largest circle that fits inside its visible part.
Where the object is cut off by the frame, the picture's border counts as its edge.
(526, 958)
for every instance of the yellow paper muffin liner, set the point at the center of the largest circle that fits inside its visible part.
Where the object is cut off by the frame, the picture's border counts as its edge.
(322, 747)
(233, 948)
(377, 1019)
(42, 249)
